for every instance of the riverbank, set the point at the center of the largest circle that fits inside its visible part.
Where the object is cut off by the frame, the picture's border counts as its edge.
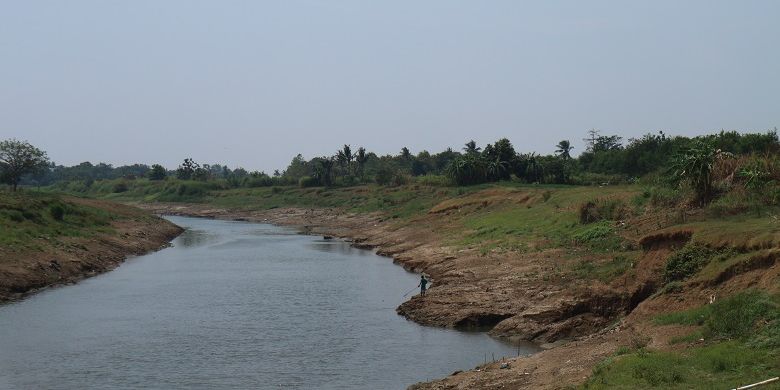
(466, 294)
(51, 240)
(586, 301)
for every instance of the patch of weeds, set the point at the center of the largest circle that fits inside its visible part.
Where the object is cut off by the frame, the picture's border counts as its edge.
(671, 287)
(604, 271)
(689, 338)
(546, 195)
(734, 317)
(602, 209)
(594, 232)
(687, 261)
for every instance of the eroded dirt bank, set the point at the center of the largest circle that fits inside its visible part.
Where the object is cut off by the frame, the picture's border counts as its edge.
(66, 260)
(514, 295)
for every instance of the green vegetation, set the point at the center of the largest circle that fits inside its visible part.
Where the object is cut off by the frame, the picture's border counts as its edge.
(687, 261)
(741, 346)
(19, 158)
(28, 218)
(604, 271)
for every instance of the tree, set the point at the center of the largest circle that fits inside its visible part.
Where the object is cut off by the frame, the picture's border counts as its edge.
(157, 172)
(468, 169)
(606, 143)
(19, 158)
(501, 156)
(405, 154)
(187, 169)
(323, 170)
(471, 147)
(361, 158)
(298, 168)
(564, 149)
(593, 135)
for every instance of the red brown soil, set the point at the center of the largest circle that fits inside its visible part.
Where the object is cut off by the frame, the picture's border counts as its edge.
(74, 258)
(514, 294)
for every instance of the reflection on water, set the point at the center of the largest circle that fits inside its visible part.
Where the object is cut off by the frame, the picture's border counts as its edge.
(340, 247)
(193, 238)
(234, 305)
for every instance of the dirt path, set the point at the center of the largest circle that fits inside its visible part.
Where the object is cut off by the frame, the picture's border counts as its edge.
(70, 259)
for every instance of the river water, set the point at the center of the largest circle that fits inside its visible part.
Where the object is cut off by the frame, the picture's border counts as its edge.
(234, 305)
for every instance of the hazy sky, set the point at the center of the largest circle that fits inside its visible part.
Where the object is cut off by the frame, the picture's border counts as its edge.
(252, 83)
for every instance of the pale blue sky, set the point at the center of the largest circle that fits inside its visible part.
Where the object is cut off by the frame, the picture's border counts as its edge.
(252, 83)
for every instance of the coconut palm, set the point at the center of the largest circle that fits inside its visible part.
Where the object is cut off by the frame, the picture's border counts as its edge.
(361, 158)
(471, 147)
(564, 149)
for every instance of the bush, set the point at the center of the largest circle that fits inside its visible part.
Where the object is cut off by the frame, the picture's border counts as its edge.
(433, 180)
(400, 179)
(384, 176)
(732, 317)
(687, 261)
(119, 187)
(308, 181)
(57, 212)
(664, 196)
(594, 233)
(602, 209)
(736, 316)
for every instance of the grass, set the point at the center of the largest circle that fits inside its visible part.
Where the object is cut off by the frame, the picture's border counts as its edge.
(552, 221)
(28, 217)
(743, 346)
(722, 365)
(603, 271)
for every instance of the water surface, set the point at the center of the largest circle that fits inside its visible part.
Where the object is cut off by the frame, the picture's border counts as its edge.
(233, 305)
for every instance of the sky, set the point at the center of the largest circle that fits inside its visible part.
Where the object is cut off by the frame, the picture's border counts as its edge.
(253, 83)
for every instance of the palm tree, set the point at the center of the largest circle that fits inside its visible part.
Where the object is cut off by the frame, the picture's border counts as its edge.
(405, 154)
(471, 147)
(564, 149)
(324, 170)
(361, 158)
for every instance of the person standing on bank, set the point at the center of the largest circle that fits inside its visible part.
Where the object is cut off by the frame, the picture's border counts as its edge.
(423, 283)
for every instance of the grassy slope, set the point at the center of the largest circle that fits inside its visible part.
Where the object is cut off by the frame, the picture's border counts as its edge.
(27, 219)
(512, 217)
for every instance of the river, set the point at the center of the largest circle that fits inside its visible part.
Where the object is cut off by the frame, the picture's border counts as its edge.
(234, 305)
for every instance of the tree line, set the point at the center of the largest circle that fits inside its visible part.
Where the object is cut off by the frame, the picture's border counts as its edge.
(605, 158)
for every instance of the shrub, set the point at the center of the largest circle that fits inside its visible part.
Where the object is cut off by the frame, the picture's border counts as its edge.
(595, 232)
(384, 176)
(14, 215)
(687, 261)
(308, 181)
(119, 187)
(400, 179)
(735, 316)
(602, 209)
(433, 180)
(57, 212)
(664, 196)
